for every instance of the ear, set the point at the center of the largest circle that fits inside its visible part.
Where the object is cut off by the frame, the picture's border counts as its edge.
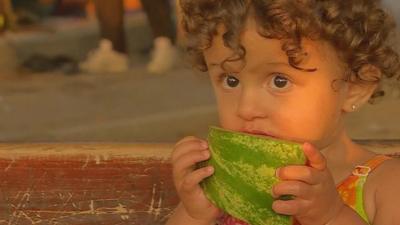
(358, 93)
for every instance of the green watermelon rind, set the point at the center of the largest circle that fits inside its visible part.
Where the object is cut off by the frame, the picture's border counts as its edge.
(231, 174)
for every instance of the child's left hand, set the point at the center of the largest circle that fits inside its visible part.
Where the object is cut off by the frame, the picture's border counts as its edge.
(316, 200)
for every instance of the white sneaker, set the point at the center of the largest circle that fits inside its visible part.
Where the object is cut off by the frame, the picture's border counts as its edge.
(105, 60)
(164, 56)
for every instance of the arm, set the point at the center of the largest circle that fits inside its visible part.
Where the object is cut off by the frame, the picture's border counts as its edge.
(387, 199)
(387, 196)
(347, 216)
(181, 217)
(316, 202)
(195, 208)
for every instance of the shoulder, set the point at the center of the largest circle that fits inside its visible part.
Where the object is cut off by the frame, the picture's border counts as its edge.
(387, 174)
(388, 169)
(386, 182)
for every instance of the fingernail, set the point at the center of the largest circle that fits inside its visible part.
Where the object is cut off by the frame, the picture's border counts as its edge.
(210, 169)
(286, 197)
(204, 145)
(206, 153)
(277, 172)
(273, 192)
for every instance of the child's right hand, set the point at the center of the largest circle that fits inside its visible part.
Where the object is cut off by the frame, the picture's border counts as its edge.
(186, 154)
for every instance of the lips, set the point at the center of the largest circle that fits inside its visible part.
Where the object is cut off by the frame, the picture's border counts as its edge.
(259, 133)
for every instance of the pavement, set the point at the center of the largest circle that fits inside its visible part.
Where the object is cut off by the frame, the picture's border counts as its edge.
(130, 107)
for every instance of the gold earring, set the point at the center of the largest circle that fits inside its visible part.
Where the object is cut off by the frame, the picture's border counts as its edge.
(354, 107)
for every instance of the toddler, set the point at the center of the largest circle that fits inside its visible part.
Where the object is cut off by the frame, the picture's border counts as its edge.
(292, 70)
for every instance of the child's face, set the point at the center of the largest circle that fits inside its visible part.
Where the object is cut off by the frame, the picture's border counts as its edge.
(268, 96)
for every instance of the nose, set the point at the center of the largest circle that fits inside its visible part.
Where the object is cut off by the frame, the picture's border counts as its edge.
(250, 106)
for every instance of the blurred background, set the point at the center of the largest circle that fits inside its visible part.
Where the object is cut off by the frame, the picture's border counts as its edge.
(114, 71)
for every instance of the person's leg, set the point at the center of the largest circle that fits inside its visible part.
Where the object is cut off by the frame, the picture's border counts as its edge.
(110, 14)
(3, 17)
(159, 14)
(180, 36)
(7, 16)
(111, 55)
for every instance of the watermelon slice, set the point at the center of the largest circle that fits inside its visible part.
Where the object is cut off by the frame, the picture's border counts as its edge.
(245, 167)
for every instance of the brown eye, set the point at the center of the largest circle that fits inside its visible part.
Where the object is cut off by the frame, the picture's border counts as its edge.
(230, 82)
(279, 82)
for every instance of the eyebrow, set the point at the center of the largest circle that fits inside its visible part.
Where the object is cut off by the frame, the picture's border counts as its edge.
(215, 64)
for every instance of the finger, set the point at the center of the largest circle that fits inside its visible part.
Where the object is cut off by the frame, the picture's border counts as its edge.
(187, 146)
(295, 188)
(190, 185)
(314, 157)
(305, 174)
(285, 207)
(185, 139)
(186, 163)
(290, 207)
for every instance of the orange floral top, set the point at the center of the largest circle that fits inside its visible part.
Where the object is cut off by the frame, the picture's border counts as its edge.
(351, 190)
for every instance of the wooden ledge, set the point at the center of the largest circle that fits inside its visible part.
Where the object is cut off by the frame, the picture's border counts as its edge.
(137, 150)
(104, 150)
(104, 183)
(99, 183)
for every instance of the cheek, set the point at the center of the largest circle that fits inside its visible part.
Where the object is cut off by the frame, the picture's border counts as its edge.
(227, 107)
(313, 120)
(226, 111)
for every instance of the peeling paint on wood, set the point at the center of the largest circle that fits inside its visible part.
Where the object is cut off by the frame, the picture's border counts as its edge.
(85, 184)
(70, 184)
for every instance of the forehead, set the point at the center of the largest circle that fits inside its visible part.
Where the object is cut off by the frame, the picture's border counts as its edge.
(320, 54)
(251, 40)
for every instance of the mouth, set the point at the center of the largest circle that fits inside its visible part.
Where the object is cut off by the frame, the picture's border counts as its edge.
(259, 133)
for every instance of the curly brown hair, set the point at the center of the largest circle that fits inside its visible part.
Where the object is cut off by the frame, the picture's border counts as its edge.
(358, 29)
